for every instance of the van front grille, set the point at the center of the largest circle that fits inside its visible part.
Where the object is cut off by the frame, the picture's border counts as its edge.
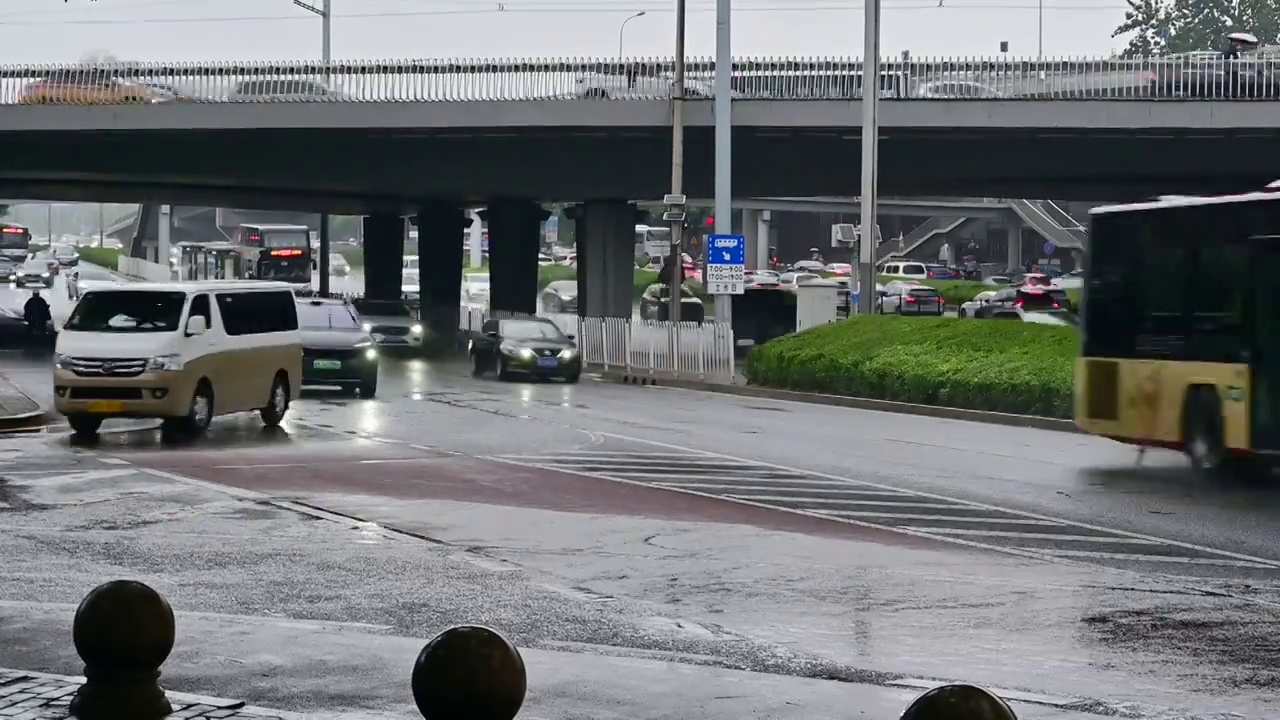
(107, 367)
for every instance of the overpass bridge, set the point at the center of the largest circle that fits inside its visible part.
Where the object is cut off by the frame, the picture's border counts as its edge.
(399, 131)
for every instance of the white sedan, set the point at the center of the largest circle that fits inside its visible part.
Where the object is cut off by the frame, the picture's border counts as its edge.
(968, 309)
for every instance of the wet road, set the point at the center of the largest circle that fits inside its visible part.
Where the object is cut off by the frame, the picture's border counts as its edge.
(932, 548)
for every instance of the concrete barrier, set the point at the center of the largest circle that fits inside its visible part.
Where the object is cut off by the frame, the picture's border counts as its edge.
(139, 269)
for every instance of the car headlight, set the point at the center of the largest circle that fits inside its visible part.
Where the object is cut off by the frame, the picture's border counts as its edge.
(370, 354)
(416, 329)
(171, 363)
(367, 327)
(44, 275)
(568, 354)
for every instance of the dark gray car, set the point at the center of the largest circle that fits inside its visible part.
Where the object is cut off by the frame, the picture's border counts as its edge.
(336, 349)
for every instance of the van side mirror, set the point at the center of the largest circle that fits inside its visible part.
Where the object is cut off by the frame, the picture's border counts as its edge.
(196, 325)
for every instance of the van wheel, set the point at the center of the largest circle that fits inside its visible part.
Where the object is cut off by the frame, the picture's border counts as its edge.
(277, 404)
(1202, 432)
(199, 414)
(369, 387)
(501, 369)
(84, 426)
(963, 314)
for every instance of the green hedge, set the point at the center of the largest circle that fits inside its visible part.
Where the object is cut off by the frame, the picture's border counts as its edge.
(983, 365)
(102, 257)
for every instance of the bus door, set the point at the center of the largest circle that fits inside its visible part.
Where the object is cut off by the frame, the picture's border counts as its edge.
(1264, 361)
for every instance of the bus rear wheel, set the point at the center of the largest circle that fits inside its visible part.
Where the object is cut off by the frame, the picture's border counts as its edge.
(1203, 435)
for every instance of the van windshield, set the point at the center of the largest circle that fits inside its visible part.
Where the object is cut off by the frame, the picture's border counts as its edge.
(128, 311)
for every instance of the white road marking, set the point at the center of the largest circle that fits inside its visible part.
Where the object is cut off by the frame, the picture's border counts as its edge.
(1135, 557)
(1035, 536)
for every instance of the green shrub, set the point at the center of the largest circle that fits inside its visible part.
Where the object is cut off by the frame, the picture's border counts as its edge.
(102, 257)
(1001, 366)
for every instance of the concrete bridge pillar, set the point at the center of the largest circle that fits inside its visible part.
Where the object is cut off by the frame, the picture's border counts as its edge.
(384, 256)
(146, 232)
(440, 228)
(1014, 246)
(515, 232)
(751, 232)
(606, 236)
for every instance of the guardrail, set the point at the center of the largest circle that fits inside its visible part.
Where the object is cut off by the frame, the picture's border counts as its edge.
(140, 269)
(124, 631)
(702, 351)
(1170, 78)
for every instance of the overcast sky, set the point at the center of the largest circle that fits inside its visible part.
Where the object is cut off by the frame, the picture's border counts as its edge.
(53, 31)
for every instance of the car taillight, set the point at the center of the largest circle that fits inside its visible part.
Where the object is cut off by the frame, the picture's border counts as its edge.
(1017, 303)
(1056, 306)
(933, 275)
(909, 299)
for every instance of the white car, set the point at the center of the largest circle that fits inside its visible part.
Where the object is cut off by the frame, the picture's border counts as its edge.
(475, 289)
(391, 323)
(968, 309)
(909, 270)
(338, 264)
(910, 298)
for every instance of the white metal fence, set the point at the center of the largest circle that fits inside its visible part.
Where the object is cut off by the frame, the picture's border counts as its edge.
(1252, 77)
(702, 351)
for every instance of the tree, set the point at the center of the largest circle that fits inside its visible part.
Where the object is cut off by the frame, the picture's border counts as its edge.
(1149, 24)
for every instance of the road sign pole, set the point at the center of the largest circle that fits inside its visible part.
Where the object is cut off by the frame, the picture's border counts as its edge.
(723, 141)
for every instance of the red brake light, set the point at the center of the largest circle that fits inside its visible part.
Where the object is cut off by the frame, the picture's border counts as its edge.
(12, 230)
(1017, 303)
(908, 299)
(1056, 306)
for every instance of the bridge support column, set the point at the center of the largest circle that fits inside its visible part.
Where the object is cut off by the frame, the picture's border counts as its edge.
(515, 229)
(146, 231)
(1014, 246)
(383, 256)
(440, 228)
(606, 245)
(751, 232)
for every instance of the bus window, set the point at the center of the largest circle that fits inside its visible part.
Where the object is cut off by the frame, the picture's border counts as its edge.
(286, 238)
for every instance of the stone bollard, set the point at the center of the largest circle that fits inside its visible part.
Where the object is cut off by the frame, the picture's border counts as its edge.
(958, 702)
(123, 631)
(469, 672)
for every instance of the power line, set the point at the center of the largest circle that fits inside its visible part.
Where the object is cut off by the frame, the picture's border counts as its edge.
(555, 9)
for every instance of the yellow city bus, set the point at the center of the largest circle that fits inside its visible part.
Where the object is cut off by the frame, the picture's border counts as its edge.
(1181, 328)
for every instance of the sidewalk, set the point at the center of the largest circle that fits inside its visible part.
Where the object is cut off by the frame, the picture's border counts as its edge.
(40, 696)
(17, 409)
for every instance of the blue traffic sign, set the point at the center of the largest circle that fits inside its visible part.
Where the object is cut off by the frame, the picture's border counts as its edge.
(726, 250)
(1049, 248)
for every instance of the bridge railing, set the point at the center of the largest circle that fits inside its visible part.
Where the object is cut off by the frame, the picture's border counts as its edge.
(976, 79)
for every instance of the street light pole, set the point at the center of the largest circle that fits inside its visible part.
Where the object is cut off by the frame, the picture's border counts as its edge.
(622, 28)
(325, 11)
(677, 175)
(1040, 32)
(870, 157)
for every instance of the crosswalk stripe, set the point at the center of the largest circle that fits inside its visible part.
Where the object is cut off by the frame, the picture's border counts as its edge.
(844, 501)
(967, 532)
(739, 487)
(957, 518)
(1134, 557)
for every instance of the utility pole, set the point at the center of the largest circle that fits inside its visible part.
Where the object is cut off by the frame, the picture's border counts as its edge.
(870, 158)
(326, 56)
(677, 177)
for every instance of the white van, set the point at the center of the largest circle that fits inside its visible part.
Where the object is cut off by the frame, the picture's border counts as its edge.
(183, 352)
(900, 269)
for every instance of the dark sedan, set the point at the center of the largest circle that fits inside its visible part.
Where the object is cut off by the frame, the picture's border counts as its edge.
(560, 296)
(8, 270)
(336, 349)
(532, 347)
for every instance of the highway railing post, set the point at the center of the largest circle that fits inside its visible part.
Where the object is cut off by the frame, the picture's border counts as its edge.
(123, 630)
(469, 672)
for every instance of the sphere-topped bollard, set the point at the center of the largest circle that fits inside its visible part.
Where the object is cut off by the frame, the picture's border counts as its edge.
(123, 630)
(469, 673)
(959, 702)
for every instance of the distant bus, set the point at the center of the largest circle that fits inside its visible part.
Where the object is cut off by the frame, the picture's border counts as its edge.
(275, 252)
(15, 241)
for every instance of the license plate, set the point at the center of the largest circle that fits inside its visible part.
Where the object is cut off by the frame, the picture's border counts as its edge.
(548, 362)
(106, 406)
(327, 364)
